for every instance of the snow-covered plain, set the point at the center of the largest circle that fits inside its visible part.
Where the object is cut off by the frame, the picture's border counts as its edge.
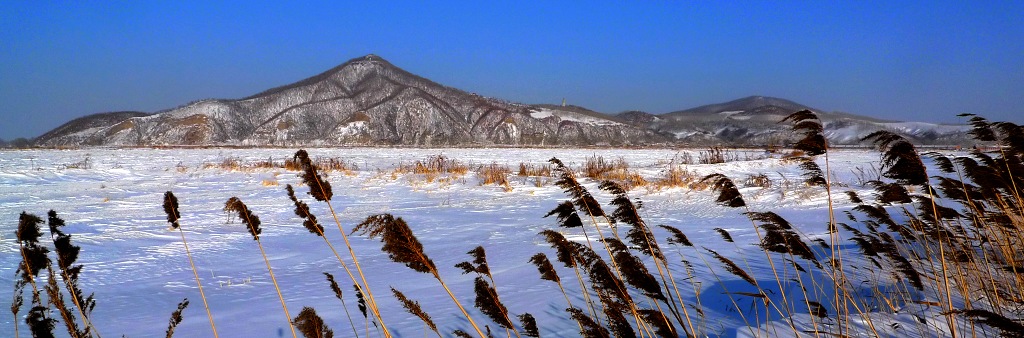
(137, 268)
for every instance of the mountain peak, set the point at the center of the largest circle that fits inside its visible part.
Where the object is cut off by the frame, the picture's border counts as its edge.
(365, 59)
(372, 60)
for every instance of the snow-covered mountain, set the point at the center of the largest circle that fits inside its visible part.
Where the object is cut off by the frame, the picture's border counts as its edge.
(755, 120)
(369, 101)
(365, 101)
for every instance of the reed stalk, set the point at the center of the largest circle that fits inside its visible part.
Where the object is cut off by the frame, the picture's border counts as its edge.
(320, 189)
(253, 223)
(173, 216)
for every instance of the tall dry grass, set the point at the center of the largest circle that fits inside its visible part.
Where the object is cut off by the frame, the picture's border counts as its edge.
(938, 230)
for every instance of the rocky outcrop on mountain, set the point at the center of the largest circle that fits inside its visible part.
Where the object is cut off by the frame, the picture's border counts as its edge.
(365, 101)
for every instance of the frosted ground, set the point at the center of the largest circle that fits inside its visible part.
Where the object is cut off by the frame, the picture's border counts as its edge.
(112, 201)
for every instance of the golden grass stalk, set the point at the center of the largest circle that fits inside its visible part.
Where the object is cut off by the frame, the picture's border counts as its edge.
(337, 293)
(56, 299)
(313, 226)
(320, 189)
(16, 303)
(252, 222)
(174, 217)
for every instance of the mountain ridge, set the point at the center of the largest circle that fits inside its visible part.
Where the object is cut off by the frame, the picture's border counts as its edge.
(369, 101)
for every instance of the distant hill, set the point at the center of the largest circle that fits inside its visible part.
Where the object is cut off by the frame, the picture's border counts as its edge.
(369, 101)
(84, 125)
(755, 120)
(749, 103)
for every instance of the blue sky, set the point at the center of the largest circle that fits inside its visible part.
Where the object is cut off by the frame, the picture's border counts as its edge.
(905, 60)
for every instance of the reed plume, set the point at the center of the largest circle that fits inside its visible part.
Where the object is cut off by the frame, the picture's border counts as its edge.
(900, 160)
(67, 255)
(812, 173)
(1008, 327)
(725, 235)
(890, 193)
(311, 325)
(479, 263)
(981, 129)
(488, 302)
(34, 255)
(581, 197)
(399, 242)
(403, 247)
(780, 237)
(626, 212)
(414, 308)
(662, 325)
(319, 188)
(176, 318)
(252, 222)
(487, 299)
(529, 325)
(617, 323)
(733, 268)
(174, 217)
(563, 248)
(567, 215)
(817, 309)
(728, 194)
(56, 299)
(360, 300)
(40, 323)
(633, 270)
(639, 234)
(678, 237)
(171, 209)
(1012, 138)
(547, 271)
(309, 220)
(34, 259)
(854, 198)
(807, 123)
(590, 328)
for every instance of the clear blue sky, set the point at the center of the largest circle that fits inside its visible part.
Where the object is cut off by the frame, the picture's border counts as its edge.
(907, 60)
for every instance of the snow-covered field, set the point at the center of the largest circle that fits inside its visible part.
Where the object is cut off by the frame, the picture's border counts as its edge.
(137, 268)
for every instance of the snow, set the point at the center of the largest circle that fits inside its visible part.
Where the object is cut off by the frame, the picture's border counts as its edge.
(732, 115)
(915, 128)
(138, 271)
(562, 115)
